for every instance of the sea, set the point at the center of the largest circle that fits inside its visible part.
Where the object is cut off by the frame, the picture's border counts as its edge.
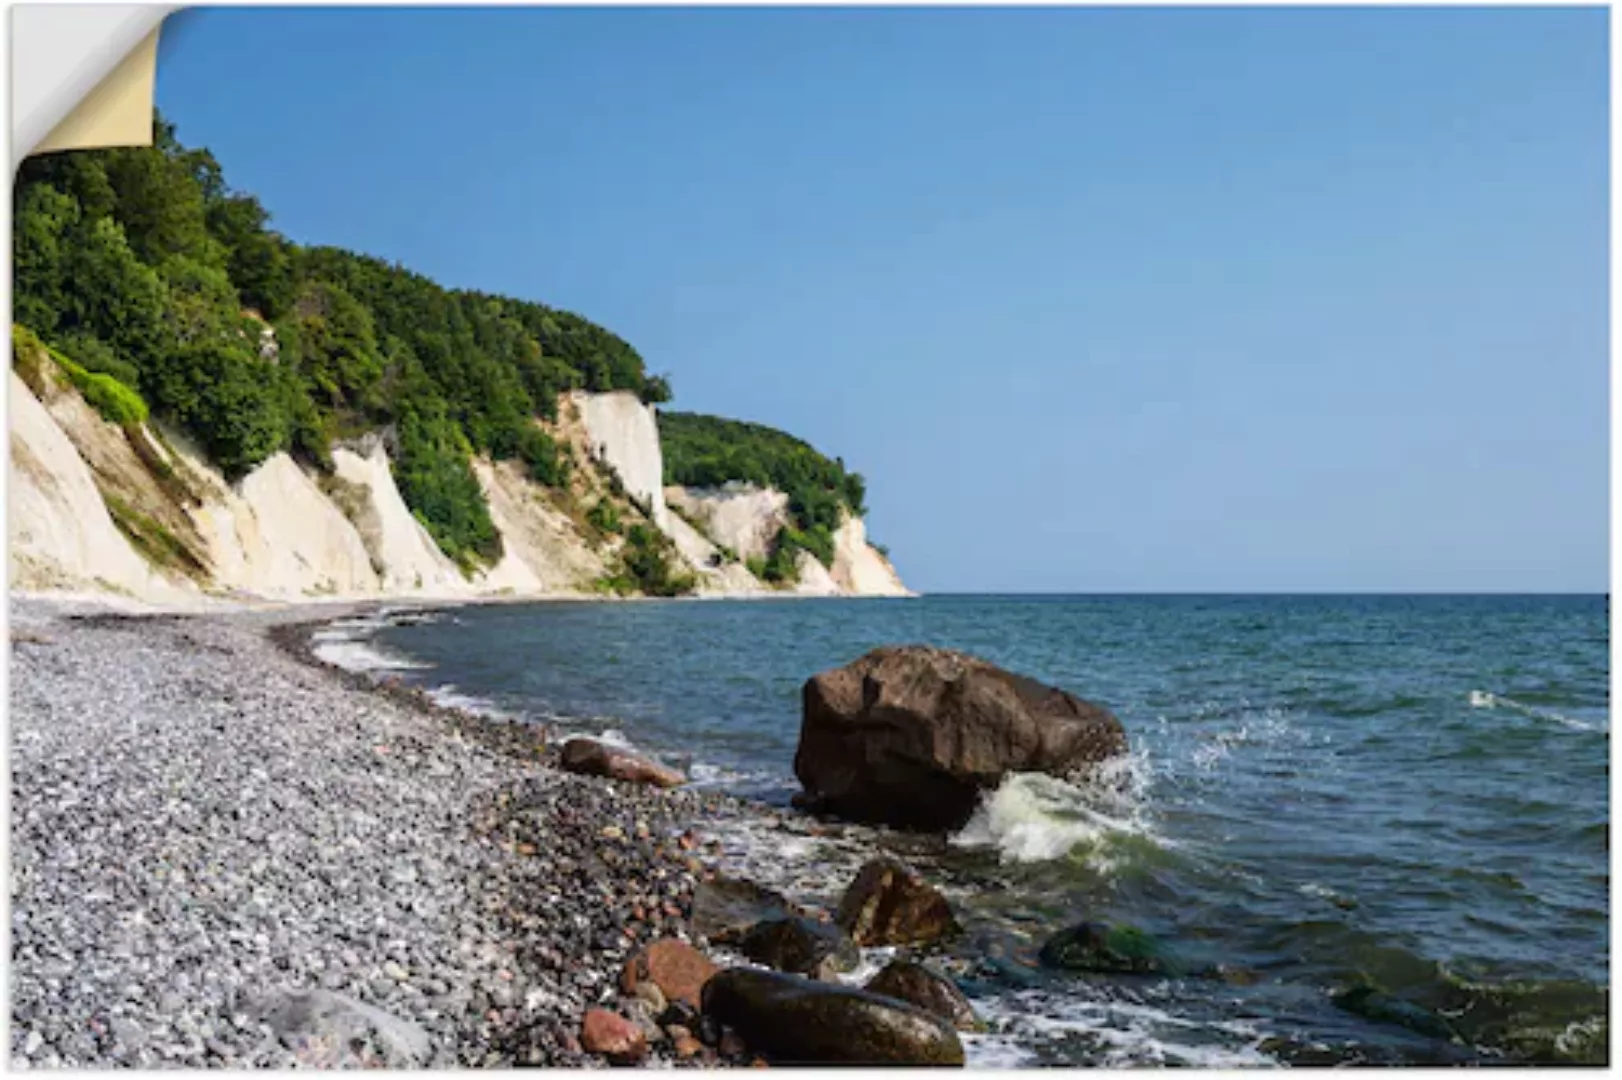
(1367, 829)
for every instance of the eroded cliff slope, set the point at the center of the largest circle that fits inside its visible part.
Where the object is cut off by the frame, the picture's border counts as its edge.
(134, 509)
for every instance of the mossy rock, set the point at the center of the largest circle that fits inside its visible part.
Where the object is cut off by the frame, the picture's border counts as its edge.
(1100, 947)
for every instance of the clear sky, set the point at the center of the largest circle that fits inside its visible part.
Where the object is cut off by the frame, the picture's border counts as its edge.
(1097, 300)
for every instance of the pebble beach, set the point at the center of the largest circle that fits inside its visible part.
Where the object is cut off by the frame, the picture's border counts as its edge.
(226, 854)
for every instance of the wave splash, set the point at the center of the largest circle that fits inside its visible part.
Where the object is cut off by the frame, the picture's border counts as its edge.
(1032, 817)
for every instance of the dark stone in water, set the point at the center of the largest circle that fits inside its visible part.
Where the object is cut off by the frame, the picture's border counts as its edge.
(1372, 1003)
(889, 903)
(1115, 950)
(801, 946)
(725, 909)
(911, 735)
(918, 985)
(798, 1021)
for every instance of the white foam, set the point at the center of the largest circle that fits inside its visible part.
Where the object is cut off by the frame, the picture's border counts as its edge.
(347, 643)
(354, 654)
(1121, 1033)
(1482, 699)
(450, 697)
(1031, 817)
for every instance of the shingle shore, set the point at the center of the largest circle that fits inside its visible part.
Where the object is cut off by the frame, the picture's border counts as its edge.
(205, 825)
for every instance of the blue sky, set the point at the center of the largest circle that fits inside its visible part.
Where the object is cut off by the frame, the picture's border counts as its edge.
(1097, 300)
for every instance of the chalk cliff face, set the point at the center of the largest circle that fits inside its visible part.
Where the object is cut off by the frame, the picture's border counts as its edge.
(743, 518)
(624, 434)
(746, 520)
(99, 507)
(402, 553)
(859, 568)
(61, 534)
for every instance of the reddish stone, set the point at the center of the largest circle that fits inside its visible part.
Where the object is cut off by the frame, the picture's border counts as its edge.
(612, 1036)
(599, 759)
(675, 967)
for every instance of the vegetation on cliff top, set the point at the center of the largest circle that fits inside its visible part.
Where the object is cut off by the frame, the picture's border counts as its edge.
(155, 284)
(709, 451)
(142, 266)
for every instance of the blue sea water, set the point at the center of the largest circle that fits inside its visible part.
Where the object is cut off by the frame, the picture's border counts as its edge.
(1403, 793)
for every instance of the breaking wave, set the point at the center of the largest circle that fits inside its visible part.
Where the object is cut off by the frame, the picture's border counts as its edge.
(1032, 817)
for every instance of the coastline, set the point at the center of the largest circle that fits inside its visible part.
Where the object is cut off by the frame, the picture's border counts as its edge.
(284, 825)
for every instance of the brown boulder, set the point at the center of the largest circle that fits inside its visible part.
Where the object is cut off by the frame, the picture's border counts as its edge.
(614, 1037)
(928, 990)
(911, 735)
(891, 904)
(798, 1021)
(592, 758)
(675, 967)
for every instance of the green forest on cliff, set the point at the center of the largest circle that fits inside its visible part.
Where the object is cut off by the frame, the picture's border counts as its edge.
(146, 272)
(710, 451)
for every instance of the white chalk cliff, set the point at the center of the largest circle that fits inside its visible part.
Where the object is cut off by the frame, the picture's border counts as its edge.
(624, 435)
(97, 507)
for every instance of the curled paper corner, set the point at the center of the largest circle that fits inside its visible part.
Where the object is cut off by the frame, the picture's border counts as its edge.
(83, 76)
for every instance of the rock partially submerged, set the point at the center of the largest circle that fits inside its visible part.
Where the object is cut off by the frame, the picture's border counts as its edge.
(593, 758)
(725, 909)
(929, 990)
(889, 903)
(1100, 947)
(798, 1021)
(801, 946)
(911, 735)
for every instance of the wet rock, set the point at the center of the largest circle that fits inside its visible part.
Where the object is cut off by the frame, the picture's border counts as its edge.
(793, 1020)
(1099, 947)
(326, 1030)
(891, 904)
(1372, 1003)
(726, 908)
(592, 758)
(918, 985)
(911, 735)
(801, 946)
(677, 969)
(614, 1037)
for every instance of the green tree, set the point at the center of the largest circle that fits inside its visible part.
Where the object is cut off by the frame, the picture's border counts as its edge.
(43, 224)
(114, 296)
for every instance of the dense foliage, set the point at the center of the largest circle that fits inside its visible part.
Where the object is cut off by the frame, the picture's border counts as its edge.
(143, 269)
(648, 565)
(115, 401)
(709, 451)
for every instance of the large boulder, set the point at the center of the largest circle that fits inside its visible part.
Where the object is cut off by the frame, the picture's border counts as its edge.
(911, 735)
(592, 758)
(890, 903)
(798, 1021)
